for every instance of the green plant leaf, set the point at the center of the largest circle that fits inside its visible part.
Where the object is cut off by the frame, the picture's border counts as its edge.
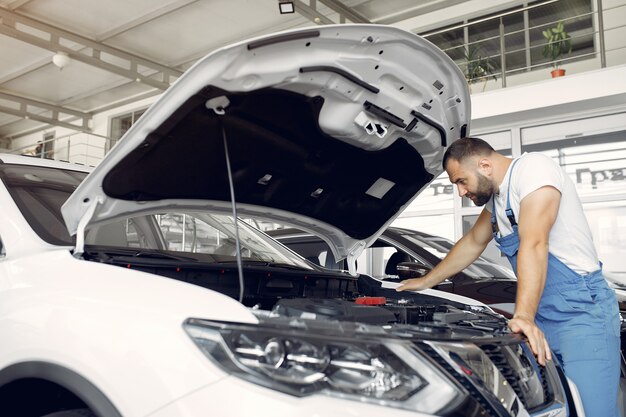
(559, 43)
(476, 67)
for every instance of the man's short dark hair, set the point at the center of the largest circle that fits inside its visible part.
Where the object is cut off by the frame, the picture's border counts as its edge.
(465, 148)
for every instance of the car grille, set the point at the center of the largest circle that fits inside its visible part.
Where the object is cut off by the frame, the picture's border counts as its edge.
(488, 409)
(518, 366)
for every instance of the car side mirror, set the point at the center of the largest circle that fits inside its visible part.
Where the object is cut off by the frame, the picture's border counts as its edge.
(407, 270)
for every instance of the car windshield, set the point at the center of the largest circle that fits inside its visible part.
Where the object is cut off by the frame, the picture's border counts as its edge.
(39, 192)
(481, 268)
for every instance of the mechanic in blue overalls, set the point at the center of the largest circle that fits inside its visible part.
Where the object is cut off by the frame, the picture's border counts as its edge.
(563, 302)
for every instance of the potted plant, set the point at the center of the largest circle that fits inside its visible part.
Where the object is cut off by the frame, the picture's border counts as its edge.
(559, 43)
(476, 67)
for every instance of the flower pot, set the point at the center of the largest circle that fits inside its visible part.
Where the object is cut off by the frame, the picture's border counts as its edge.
(557, 72)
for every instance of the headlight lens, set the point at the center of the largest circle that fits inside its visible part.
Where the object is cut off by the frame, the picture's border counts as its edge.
(302, 362)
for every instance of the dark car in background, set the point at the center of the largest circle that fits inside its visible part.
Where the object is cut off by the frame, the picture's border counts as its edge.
(484, 280)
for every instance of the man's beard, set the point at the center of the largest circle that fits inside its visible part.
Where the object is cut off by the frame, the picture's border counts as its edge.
(484, 191)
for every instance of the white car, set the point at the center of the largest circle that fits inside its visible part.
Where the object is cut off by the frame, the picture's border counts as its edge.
(141, 296)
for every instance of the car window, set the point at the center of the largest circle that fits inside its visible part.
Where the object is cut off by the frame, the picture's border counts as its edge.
(314, 250)
(479, 269)
(186, 233)
(124, 233)
(193, 233)
(39, 193)
(41, 206)
(380, 261)
(216, 234)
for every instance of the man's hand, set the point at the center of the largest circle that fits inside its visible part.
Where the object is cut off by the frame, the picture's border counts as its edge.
(414, 284)
(536, 338)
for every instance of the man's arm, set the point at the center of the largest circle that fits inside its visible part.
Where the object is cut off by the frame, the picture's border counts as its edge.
(538, 211)
(463, 253)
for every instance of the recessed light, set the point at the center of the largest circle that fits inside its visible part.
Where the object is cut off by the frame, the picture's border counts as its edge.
(286, 7)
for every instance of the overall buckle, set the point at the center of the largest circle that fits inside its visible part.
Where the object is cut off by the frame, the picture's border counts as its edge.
(511, 217)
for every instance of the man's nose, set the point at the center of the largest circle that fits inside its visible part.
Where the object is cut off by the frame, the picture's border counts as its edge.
(462, 190)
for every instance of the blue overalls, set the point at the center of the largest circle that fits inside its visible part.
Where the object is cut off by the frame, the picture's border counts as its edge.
(579, 316)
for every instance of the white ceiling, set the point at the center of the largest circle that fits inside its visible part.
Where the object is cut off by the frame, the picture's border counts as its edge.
(172, 33)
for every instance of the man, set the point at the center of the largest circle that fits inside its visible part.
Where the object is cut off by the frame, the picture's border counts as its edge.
(563, 302)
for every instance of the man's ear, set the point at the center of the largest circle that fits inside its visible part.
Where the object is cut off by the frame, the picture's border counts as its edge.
(485, 166)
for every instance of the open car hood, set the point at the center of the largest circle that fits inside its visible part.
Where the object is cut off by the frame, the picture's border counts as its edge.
(332, 129)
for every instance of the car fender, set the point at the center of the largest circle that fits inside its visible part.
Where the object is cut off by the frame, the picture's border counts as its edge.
(119, 328)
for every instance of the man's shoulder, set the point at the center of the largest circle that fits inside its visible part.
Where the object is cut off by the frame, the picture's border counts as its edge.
(536, 159)
(535, 163)
(534, 171)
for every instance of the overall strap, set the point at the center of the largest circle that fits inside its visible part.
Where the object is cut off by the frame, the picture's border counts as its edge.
(509, 212)
(494, 223)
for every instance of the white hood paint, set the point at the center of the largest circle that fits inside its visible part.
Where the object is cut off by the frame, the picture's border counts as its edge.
(395, 70)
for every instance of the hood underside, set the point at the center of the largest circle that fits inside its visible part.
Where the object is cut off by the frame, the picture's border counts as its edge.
(333, 130)
(279, 157)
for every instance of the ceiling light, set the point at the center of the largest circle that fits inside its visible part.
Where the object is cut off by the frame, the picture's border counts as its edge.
(61, 59)
(286, 7)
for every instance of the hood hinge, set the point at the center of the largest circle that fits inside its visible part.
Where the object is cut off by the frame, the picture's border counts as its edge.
(80, 230)
(354, 253)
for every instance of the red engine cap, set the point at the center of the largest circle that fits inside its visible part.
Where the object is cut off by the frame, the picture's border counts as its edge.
(371, 301)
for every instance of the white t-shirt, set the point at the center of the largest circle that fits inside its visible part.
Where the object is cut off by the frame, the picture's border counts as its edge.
(570, 238)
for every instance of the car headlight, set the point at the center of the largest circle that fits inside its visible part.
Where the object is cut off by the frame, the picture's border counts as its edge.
(298, 361)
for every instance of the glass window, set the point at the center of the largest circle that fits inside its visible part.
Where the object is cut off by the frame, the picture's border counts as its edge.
(485, 35)
(186, 233)
(437, 196)
(138, 232)
(313, 249)
(577, 19)
(608, 226)
(514, 42)
(48, 145)
(216, 234)
(381, 261)
(192, 233)
(39, 194)
(596, 164)
(120, 125)
(483, 43)
(435, 224)
(439, 247)
(450, 40)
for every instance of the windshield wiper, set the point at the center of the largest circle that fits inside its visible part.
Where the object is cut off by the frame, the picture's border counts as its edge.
(161, 255)
(262, 263)
(108, 254)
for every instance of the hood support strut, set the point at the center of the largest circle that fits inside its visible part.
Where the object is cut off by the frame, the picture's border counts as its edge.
(354, 253)
(80, 230)
(234, 207)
